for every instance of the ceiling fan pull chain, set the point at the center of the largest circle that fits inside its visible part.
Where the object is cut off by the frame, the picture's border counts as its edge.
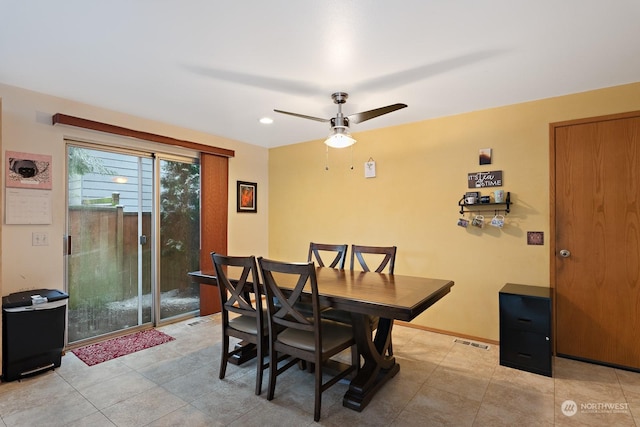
(326, 161)
(352, 157)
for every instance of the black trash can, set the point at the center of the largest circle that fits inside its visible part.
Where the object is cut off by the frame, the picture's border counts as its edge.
(33, 327)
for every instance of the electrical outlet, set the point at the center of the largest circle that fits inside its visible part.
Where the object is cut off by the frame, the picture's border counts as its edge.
(39, 239)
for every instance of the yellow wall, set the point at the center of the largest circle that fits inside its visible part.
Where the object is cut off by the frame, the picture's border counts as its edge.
(412, 203)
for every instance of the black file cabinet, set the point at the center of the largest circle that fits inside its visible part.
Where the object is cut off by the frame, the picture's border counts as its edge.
(525, 328)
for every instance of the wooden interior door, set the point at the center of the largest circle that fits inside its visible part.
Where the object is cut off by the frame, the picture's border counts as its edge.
(596, 208)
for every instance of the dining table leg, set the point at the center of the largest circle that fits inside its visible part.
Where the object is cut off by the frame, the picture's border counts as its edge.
(377, 367)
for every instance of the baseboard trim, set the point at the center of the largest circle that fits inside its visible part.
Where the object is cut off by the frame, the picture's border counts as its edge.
(443, 332)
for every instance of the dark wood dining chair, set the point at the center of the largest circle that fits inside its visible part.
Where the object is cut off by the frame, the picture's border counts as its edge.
(339, 254)
(316, 250)
(241, 296)
(387, 257)
(303, 338)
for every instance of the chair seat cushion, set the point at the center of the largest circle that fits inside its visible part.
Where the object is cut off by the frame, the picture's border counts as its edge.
(333, 334)
(248, 324)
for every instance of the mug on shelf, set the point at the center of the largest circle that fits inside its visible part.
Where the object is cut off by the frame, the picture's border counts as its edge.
(498, 196)
(485, 199)
(470, 200)
(478, 221)
(498, 221)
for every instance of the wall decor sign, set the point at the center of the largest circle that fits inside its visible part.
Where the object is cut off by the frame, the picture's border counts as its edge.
(247, 196)
(24, 170)
(370, 168)
(485, 179)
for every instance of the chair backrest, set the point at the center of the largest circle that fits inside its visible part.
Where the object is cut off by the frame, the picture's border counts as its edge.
(389, 258)
(315, 250)
(286, 312)
(235, 294)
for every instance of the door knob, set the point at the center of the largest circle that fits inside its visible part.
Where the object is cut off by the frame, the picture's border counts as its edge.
(564, 253)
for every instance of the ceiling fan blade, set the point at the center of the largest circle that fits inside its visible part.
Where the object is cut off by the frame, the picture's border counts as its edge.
(258, 81)
(317, 119)
(401, 78)
(366, 115)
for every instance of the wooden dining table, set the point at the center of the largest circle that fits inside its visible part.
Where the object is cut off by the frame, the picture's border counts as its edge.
(364, 294)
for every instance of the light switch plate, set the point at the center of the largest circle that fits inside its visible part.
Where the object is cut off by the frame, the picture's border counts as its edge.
(39, 239)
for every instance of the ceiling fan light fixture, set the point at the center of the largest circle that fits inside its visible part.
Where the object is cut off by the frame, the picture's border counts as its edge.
(339, 138)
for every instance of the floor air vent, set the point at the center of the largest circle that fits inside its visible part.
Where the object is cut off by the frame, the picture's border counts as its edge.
(471, 343)
(197, 322)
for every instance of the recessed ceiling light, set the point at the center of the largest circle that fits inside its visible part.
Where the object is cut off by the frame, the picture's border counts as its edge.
(266, 120)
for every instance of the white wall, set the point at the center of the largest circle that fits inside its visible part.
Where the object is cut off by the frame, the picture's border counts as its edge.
(26, 127)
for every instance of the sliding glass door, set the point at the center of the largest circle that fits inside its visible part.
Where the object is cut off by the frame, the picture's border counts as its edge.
(179, 236)
(132, 235)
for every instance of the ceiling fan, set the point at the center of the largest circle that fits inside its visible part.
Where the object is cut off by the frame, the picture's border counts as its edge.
(340, 137)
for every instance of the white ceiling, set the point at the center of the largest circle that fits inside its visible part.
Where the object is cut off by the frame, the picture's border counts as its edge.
(219, 66)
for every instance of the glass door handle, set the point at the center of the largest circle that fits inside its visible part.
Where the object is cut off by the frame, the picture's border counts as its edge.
(66, 248)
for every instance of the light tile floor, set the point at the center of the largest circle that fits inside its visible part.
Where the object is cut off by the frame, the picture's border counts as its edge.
(440, 383)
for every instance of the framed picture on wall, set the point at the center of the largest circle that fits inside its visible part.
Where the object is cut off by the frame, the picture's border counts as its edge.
(25, 170)
(485, 156)
(247, 196)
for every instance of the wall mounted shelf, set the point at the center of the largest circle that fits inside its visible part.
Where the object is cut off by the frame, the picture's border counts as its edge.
(486, 207)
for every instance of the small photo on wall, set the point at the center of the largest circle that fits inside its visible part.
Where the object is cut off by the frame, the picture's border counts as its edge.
(25, 170)
(247, 196)
(485, 156)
